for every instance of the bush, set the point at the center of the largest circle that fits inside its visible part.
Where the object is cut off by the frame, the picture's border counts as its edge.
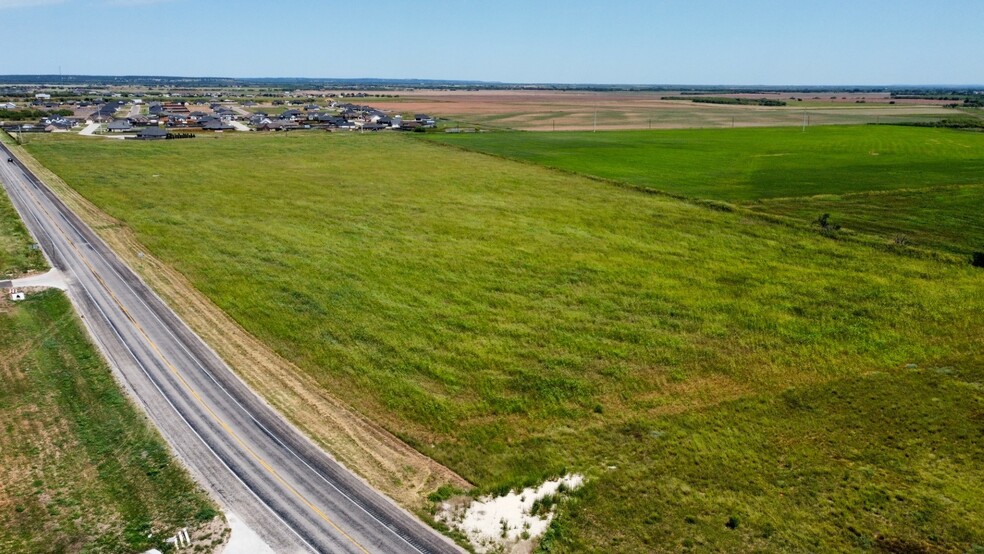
(977, 259)
(826, 227)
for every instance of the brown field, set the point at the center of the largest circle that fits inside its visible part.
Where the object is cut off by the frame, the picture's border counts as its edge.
(578, 110)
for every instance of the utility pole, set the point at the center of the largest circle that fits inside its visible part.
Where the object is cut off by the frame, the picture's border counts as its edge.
(804, 120)
(595, 128)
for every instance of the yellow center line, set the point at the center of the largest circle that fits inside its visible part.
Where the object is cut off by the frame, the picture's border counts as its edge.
(192, 391)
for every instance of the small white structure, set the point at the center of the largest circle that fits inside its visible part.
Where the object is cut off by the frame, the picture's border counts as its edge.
(16, 296)
(42, 96)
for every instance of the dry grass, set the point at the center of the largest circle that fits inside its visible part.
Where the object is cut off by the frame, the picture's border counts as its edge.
(577, 110)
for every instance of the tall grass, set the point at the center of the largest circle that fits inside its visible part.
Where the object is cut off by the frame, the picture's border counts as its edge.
(513, 322)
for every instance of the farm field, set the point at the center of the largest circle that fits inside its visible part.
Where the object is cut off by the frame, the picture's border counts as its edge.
(946, 219)
(81, 468)
(587, 110)
(923, 183)
(715, 376)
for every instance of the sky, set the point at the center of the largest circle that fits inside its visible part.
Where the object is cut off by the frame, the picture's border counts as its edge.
(700, 42)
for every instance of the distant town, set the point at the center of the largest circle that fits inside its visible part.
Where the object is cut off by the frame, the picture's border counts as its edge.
(166, 115)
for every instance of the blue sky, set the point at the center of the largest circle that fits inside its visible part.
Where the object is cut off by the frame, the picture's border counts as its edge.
(741, 42)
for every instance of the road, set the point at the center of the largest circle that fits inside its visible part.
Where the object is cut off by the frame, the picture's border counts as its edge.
(245, 454)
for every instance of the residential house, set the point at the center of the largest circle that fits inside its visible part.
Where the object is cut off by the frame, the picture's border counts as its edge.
(215, 124)
(152, 133)
(277, 125)
(119, 126)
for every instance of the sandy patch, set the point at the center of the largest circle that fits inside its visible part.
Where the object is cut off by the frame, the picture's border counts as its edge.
(507, 523)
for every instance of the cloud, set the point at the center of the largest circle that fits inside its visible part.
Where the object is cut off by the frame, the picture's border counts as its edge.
(4, 4)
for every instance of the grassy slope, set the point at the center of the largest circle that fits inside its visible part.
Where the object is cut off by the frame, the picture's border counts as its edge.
(776, 168)
(80, 468)
(511, 321)
(940, 218)
(16, 256)
(749, 164)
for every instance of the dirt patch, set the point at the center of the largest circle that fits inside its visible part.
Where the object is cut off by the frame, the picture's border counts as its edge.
(386, 462)
(585, 110)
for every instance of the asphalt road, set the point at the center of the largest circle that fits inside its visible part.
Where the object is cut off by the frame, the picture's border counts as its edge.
(245, 454)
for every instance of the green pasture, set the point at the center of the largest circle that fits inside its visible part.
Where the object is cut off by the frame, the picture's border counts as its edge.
(719, 378)
(751, 163)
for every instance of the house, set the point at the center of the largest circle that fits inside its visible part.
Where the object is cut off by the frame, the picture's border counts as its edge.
(226, 114)
(276, 125)
(215, 125)
(119, 126)
(290, 114)
(8, 106)
(152, 133)
(42, 96)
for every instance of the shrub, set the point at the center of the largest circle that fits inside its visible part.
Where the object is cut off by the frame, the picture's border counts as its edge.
(977, 259)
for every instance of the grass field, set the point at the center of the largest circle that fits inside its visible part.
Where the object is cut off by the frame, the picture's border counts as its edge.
(750, 164)
(947, 219)
(514, 322)
(81, 469)
(884, 180)
(16, 255)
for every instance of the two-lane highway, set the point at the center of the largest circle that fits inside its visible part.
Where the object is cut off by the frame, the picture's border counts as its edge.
(254, 462)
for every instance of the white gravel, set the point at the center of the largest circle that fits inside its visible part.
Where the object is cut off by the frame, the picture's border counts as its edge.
(499, 523)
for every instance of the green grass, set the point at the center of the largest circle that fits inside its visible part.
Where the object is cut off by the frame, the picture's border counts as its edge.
(514, 322)
(749, 164)
(884, 181)
(82, 469)
(888, 462)
(17, 257)
(941, 218)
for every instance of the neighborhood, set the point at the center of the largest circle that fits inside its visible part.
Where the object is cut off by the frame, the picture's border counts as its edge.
(134, 119)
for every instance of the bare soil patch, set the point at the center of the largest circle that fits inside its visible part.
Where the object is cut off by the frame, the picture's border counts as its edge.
(581, 110)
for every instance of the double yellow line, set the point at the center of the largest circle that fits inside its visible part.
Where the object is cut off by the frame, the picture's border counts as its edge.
(192, 391)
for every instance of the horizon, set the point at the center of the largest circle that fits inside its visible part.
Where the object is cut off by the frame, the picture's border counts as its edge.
(44, 77)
